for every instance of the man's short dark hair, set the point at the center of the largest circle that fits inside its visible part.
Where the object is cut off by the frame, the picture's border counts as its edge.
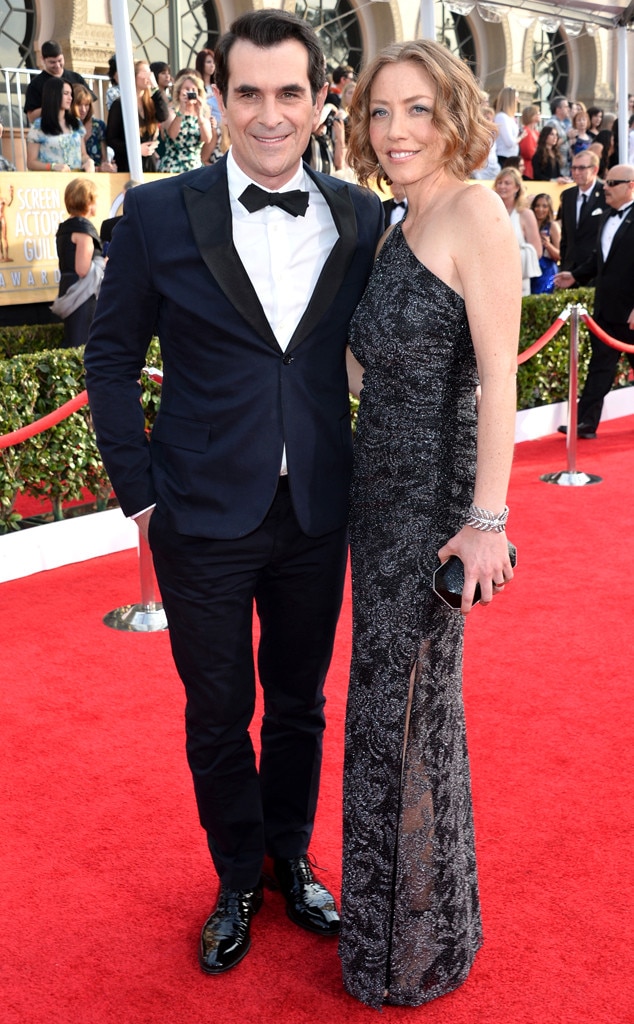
(340, 73)
(556, 102)
(51, 49)
(269, 28)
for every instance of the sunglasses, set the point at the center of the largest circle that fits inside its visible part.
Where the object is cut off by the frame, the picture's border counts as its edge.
(612, 182)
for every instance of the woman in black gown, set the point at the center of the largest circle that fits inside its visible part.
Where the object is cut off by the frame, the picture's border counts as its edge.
(440, 316)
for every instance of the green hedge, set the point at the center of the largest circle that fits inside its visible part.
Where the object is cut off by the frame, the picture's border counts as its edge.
(58, 464)
(15, 341)
(36, 377)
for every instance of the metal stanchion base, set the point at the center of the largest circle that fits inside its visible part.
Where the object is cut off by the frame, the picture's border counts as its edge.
(138, 618)
(566, 479)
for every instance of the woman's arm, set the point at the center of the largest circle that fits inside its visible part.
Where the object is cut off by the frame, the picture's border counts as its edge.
(487, 259)
(33, 162)
(84, 249)
(87, 162)
(551, 244)
(355, 374)
(528, 220)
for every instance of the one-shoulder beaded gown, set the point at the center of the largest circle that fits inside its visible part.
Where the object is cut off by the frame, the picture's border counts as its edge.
(410, 908)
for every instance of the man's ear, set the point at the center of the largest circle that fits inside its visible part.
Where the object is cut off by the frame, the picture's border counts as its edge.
(319, 104)
(218, 95)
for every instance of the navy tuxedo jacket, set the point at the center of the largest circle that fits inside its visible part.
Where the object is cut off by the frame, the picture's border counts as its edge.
(614, 294)
(231, 398)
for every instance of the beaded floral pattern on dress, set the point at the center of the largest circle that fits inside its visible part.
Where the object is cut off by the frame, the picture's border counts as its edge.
(410, 907)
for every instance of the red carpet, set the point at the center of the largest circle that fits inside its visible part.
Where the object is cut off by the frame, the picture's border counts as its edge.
(105, 874)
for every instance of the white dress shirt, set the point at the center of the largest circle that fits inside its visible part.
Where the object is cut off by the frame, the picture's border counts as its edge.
(283, 255)
(610, 228)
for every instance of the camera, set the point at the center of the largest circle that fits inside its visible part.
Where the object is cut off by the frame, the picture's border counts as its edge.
(329, 120)
(191, 94)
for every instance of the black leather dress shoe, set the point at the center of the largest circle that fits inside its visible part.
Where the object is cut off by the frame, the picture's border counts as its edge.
(584, 430)
(226, 937)
(308, 903)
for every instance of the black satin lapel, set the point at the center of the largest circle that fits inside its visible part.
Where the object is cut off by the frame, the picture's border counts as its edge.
(620, 234)
(209, 213)
(336, 266)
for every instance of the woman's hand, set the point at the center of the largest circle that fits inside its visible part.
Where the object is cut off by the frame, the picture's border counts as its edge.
(148, 148)
(486, 561)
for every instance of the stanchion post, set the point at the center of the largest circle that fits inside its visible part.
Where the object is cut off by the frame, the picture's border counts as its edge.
(573, 387)
(570, 477)
(148, 616)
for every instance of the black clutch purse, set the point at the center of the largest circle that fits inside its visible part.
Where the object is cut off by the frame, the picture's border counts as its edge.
(448, 579)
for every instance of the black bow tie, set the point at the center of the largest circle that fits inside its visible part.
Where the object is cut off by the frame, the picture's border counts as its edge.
(255, 198)
(402, 204)
(619, 213)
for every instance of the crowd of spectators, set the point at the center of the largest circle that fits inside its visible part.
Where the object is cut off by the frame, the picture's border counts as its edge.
(180, 128)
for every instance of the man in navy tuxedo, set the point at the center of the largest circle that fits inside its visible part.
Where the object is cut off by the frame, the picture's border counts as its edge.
(612, 264)
(248, 271)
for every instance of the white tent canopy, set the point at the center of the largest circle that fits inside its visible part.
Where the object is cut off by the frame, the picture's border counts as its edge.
(615, 16)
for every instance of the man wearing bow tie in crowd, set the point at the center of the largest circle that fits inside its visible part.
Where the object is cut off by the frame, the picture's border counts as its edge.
(394, 209)
(249, 271)
(612, 264)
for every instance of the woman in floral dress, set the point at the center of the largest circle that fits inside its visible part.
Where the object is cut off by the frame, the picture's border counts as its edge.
(191, 129)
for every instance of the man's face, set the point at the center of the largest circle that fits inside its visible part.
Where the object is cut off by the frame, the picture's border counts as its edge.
(54, 65)
(584, 174)
(621, 189)
(269, 112)
(563, 111)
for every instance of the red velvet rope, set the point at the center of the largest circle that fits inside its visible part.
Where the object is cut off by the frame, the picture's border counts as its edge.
(50, 420)
(606, 338)
(545, 338)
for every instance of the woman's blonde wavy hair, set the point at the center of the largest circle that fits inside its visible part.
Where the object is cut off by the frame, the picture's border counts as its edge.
(520, 201)
(457, 113)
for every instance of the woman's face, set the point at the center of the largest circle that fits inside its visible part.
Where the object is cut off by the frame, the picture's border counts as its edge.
(83, 109)
(407, 144)
(541, 209)
(581, 121)
(347, 93)
(143, 77)
(187, 86)
(506, 188)
(67, 97)
(597, 119)
(210, 65)
(552, 137)
(164, 79)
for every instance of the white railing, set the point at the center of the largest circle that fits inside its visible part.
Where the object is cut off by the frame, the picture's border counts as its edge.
(13, 86)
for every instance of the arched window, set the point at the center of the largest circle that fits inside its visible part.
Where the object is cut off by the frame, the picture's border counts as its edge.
(454, 32)
(337, 26)
(151, 29)
(17, 31)
(200, 30)
(549, 65)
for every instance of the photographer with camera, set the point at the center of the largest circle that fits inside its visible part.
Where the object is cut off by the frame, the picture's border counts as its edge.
(326, 150)
(191, 130)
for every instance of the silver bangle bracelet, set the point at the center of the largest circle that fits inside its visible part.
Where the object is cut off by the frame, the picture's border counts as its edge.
(489, 522)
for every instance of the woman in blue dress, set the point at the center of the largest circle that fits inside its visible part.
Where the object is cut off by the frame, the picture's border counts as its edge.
(550, 234)
(56, 142)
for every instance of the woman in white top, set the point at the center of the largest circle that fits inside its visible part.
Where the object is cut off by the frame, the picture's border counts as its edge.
(507, 142)
(510, 188)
